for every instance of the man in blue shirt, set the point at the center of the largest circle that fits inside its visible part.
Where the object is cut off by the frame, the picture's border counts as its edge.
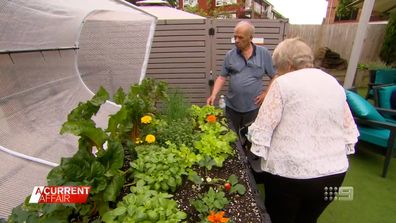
(245, 66)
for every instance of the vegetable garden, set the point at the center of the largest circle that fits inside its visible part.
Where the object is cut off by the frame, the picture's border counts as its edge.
(159, 160)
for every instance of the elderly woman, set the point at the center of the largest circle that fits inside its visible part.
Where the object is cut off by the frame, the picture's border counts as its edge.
(303, 133)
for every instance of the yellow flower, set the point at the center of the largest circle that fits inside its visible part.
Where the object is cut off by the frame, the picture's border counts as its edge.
(217, 217)
(146, 119)
(138, 141)
(150, 138)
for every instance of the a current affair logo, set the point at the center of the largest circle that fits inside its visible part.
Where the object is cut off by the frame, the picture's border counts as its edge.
(59, 194)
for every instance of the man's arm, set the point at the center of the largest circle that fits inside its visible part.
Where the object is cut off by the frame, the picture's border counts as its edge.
(219, 83)
(270, 71)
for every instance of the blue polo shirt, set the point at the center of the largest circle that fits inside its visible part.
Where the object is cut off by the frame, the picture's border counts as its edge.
(245, 77)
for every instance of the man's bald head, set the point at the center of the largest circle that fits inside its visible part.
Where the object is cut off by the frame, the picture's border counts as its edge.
(245, 27)
(243, 35)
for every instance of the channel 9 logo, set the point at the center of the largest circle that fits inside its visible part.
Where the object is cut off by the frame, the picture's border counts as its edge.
(338, 193)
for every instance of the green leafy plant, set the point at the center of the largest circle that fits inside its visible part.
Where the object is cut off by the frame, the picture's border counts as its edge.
(344, 12)
(101, 170)
(145, 205)
(176, 107)
(102, 173)
(181, 138)
(175, 124)
(234, 186)
(79, 121)
(230, 185)
(27, 212)
(141, 100)
(372, 66)
(201, 114)
(215, 140)
(161, 168)
(179, 132)
(210, 11)
(210, 201)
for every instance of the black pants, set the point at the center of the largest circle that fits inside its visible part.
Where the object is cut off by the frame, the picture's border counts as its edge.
(294, 200)
(236, 120)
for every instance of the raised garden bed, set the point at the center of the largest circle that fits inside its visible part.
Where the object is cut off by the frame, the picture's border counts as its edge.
(244, 209)
(179, 163)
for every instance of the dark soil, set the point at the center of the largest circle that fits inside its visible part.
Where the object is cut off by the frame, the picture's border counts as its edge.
(247, 208)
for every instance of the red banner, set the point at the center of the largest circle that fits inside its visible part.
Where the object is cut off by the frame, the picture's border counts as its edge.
(60, 194)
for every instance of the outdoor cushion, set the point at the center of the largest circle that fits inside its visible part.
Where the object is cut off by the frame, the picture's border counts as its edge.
(385, 76)
(361, 108)
(376, 136)
(384, 96)
(380, 77)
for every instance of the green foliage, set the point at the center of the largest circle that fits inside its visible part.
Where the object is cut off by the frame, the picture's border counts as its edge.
(343, 12)
(201, 113)
(371, 66)
(388, 50)
(79, 120)
(176, 124)
(215, 139)
(145, 205)
(102, 173)
(235, 186)
(119, 96)
(160, 168)
(46, 213)
(151, 91)
(219, 183)
(24, 213)
(141, 100)
(211, 12)
(180, 132)
(173, 3)
(210, 201)
(176, 107)
(194, 177)
(184, 137)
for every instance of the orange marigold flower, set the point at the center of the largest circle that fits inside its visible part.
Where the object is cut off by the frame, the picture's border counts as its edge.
(217, 217)
(211, 118)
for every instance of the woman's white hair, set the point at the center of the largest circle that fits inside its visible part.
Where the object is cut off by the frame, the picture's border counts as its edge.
(292, 53)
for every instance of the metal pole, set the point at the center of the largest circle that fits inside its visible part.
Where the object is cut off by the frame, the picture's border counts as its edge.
(358, 43)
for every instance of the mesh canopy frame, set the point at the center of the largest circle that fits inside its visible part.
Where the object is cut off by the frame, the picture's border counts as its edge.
(53, 55)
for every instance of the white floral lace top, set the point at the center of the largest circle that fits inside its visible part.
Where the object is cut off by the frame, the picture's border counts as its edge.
(304, 128)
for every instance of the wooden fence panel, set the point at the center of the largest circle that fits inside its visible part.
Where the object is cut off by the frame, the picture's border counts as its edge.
(179, 56)
(339, 38)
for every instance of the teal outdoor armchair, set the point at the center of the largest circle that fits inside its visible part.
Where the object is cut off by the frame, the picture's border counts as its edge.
(380, 77)
(383, 96)
(376, 130)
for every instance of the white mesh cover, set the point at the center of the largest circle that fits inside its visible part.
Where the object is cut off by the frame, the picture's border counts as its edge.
(45, 48)
(43, 24)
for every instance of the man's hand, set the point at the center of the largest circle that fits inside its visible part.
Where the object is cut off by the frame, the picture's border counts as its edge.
(259, 99)
(220, 80)
(211, 99)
